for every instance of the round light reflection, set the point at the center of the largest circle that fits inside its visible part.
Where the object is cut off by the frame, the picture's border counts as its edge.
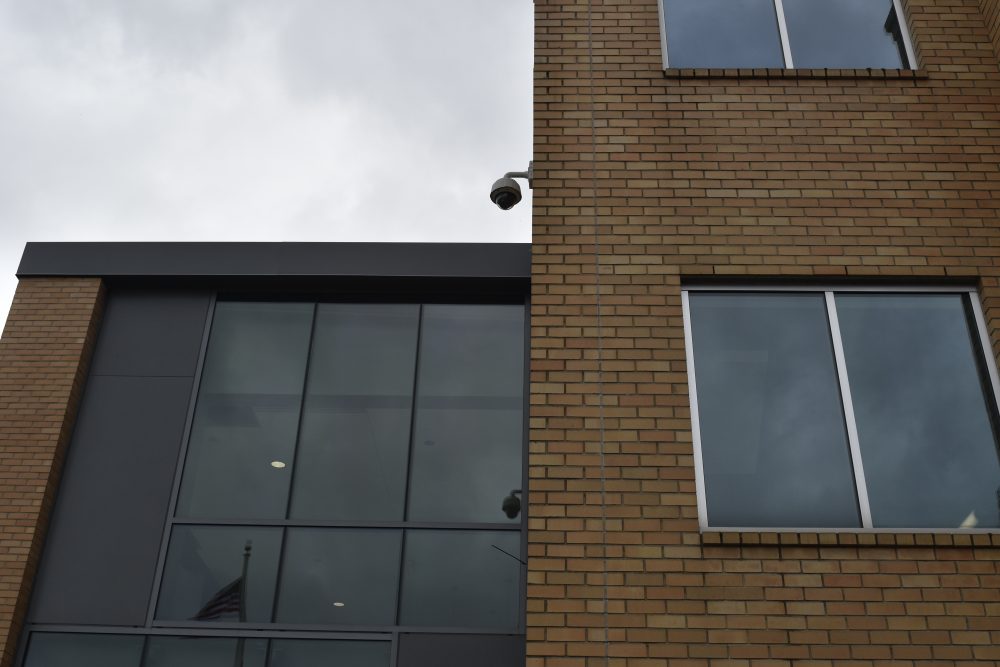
(277, 464)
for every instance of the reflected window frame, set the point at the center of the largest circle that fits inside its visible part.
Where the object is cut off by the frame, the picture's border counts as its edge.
(897, 27)
(989, 377)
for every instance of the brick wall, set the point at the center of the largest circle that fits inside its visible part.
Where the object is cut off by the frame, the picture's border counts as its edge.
(44, 353)
(991, 12)
(816, 175)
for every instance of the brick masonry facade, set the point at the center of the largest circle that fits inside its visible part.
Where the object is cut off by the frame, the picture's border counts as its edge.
(740, 175)
(44, 354)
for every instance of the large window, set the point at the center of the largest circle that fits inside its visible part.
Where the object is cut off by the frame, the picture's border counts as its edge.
(353, 476)
(810, 34)
(842, 409)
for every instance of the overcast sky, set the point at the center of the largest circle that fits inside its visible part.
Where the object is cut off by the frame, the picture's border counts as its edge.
(260, 120)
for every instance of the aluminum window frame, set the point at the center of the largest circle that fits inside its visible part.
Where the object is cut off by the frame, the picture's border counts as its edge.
(786, 48)
(979, 334)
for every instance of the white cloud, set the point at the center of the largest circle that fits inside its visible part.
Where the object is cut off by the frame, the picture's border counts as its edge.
(252, 120)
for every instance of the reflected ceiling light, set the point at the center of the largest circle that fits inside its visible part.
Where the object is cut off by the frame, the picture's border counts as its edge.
(338, 604)
(277, 464)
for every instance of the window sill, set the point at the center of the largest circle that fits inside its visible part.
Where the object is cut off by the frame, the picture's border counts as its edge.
(782, 73)
(849, 538)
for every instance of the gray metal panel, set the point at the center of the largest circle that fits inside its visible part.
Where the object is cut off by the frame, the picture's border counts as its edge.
(151, 332)
(437, 260)
(461, 650)
(100, 555)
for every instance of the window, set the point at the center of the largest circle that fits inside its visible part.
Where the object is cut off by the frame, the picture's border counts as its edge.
(810, 34)
(848, 408)
(353, 474)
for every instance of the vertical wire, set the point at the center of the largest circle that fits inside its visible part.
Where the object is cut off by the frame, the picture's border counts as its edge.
(600, 341)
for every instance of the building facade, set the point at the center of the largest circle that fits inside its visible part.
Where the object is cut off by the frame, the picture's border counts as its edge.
(265, 454)
(737, 172)
(762, 412)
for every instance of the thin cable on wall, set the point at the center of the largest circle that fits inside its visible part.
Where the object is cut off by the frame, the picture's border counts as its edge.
(600, 332)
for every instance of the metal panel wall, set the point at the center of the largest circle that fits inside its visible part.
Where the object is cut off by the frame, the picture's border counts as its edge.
(100, 556)
(461, 650)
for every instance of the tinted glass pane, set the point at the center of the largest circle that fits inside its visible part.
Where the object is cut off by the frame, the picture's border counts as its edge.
(72, 650)
(247, 413)
(205, 652)
(722, 33)
(356, 427)
(773, 439)
(306, 652)
(421, 650)
(336, 576)
(927, 444)
(461, 579)
(201, 579)
(470, 402)
(845, 33)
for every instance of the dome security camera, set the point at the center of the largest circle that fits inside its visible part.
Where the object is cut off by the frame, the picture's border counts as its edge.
(511, 505)
(506, 193)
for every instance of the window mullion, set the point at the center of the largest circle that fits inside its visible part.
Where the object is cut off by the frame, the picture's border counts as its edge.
(848, 405)
(699, 466)
(786, 48)
(905, 32)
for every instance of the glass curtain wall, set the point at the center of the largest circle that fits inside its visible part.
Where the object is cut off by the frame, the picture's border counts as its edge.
(351, 469)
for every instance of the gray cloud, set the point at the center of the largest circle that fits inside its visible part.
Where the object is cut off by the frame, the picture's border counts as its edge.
(253, 120)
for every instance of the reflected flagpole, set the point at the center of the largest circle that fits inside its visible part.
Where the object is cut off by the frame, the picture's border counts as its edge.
(240, 642)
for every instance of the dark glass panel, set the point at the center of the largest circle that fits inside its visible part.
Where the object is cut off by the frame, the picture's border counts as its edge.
(78, 650)
(468, 428)
(422, 650)
(461, 579)
(356, 426)
(204, 568)
(322, 653)
(205, 652)
(845, 33)
(339, 577)
(247, 413)
(928, 446)
(722, 33)
(773, 439)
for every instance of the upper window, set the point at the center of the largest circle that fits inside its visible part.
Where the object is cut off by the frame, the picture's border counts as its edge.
(807, 34)
(842, 409)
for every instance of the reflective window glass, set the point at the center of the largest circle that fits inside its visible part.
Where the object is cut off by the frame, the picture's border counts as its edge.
(205, 652)
(844, 34)
(246, 419)
(203, 579)
(315, 653)
(339, 577)
(468, 425)
(773, 435)
(78, 650)
(468, 579)
(920, 399)
(353, 447)
(722, 33)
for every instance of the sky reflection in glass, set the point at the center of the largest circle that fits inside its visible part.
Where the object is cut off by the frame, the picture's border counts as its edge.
(841, 34)
(773, 434)
(928, 446)
(722, 33)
